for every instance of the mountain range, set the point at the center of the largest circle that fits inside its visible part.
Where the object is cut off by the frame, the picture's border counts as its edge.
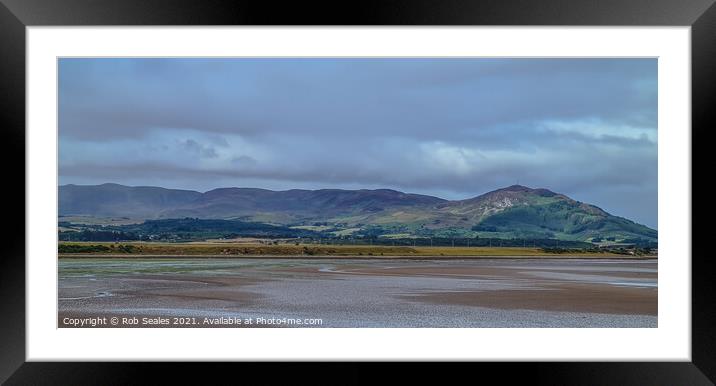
(512, 212)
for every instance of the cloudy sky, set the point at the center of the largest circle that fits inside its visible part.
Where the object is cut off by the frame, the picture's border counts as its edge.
(453, 128)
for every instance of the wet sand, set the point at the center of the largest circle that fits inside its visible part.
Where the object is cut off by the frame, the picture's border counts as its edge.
(575, 297)
(359, 293)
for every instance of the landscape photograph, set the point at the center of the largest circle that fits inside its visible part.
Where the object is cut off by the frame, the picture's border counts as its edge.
(346, 192)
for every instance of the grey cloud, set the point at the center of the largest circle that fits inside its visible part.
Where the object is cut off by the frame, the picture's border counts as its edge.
(196, 148)
(243, 160)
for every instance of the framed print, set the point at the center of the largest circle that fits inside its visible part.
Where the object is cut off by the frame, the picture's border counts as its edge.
(402, 182)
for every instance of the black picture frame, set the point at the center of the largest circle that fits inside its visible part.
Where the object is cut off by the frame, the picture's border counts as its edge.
(15, 15)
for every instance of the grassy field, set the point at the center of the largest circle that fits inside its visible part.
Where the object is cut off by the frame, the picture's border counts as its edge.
(74, 249)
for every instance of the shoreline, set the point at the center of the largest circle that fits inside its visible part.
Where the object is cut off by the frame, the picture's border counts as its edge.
(356, 257)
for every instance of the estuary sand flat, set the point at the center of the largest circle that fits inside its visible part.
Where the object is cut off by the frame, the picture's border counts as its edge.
(563, 292)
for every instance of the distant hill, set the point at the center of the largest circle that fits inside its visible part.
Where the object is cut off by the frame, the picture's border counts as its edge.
(108, 200)
(518, 211)
(296, 205)
(513, 212)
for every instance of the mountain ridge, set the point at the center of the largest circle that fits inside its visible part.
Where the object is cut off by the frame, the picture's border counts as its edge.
(512, 212)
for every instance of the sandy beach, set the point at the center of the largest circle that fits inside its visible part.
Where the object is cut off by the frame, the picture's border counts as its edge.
(564, 292)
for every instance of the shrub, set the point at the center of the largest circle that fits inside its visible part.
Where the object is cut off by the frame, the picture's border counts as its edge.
(76, 248)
